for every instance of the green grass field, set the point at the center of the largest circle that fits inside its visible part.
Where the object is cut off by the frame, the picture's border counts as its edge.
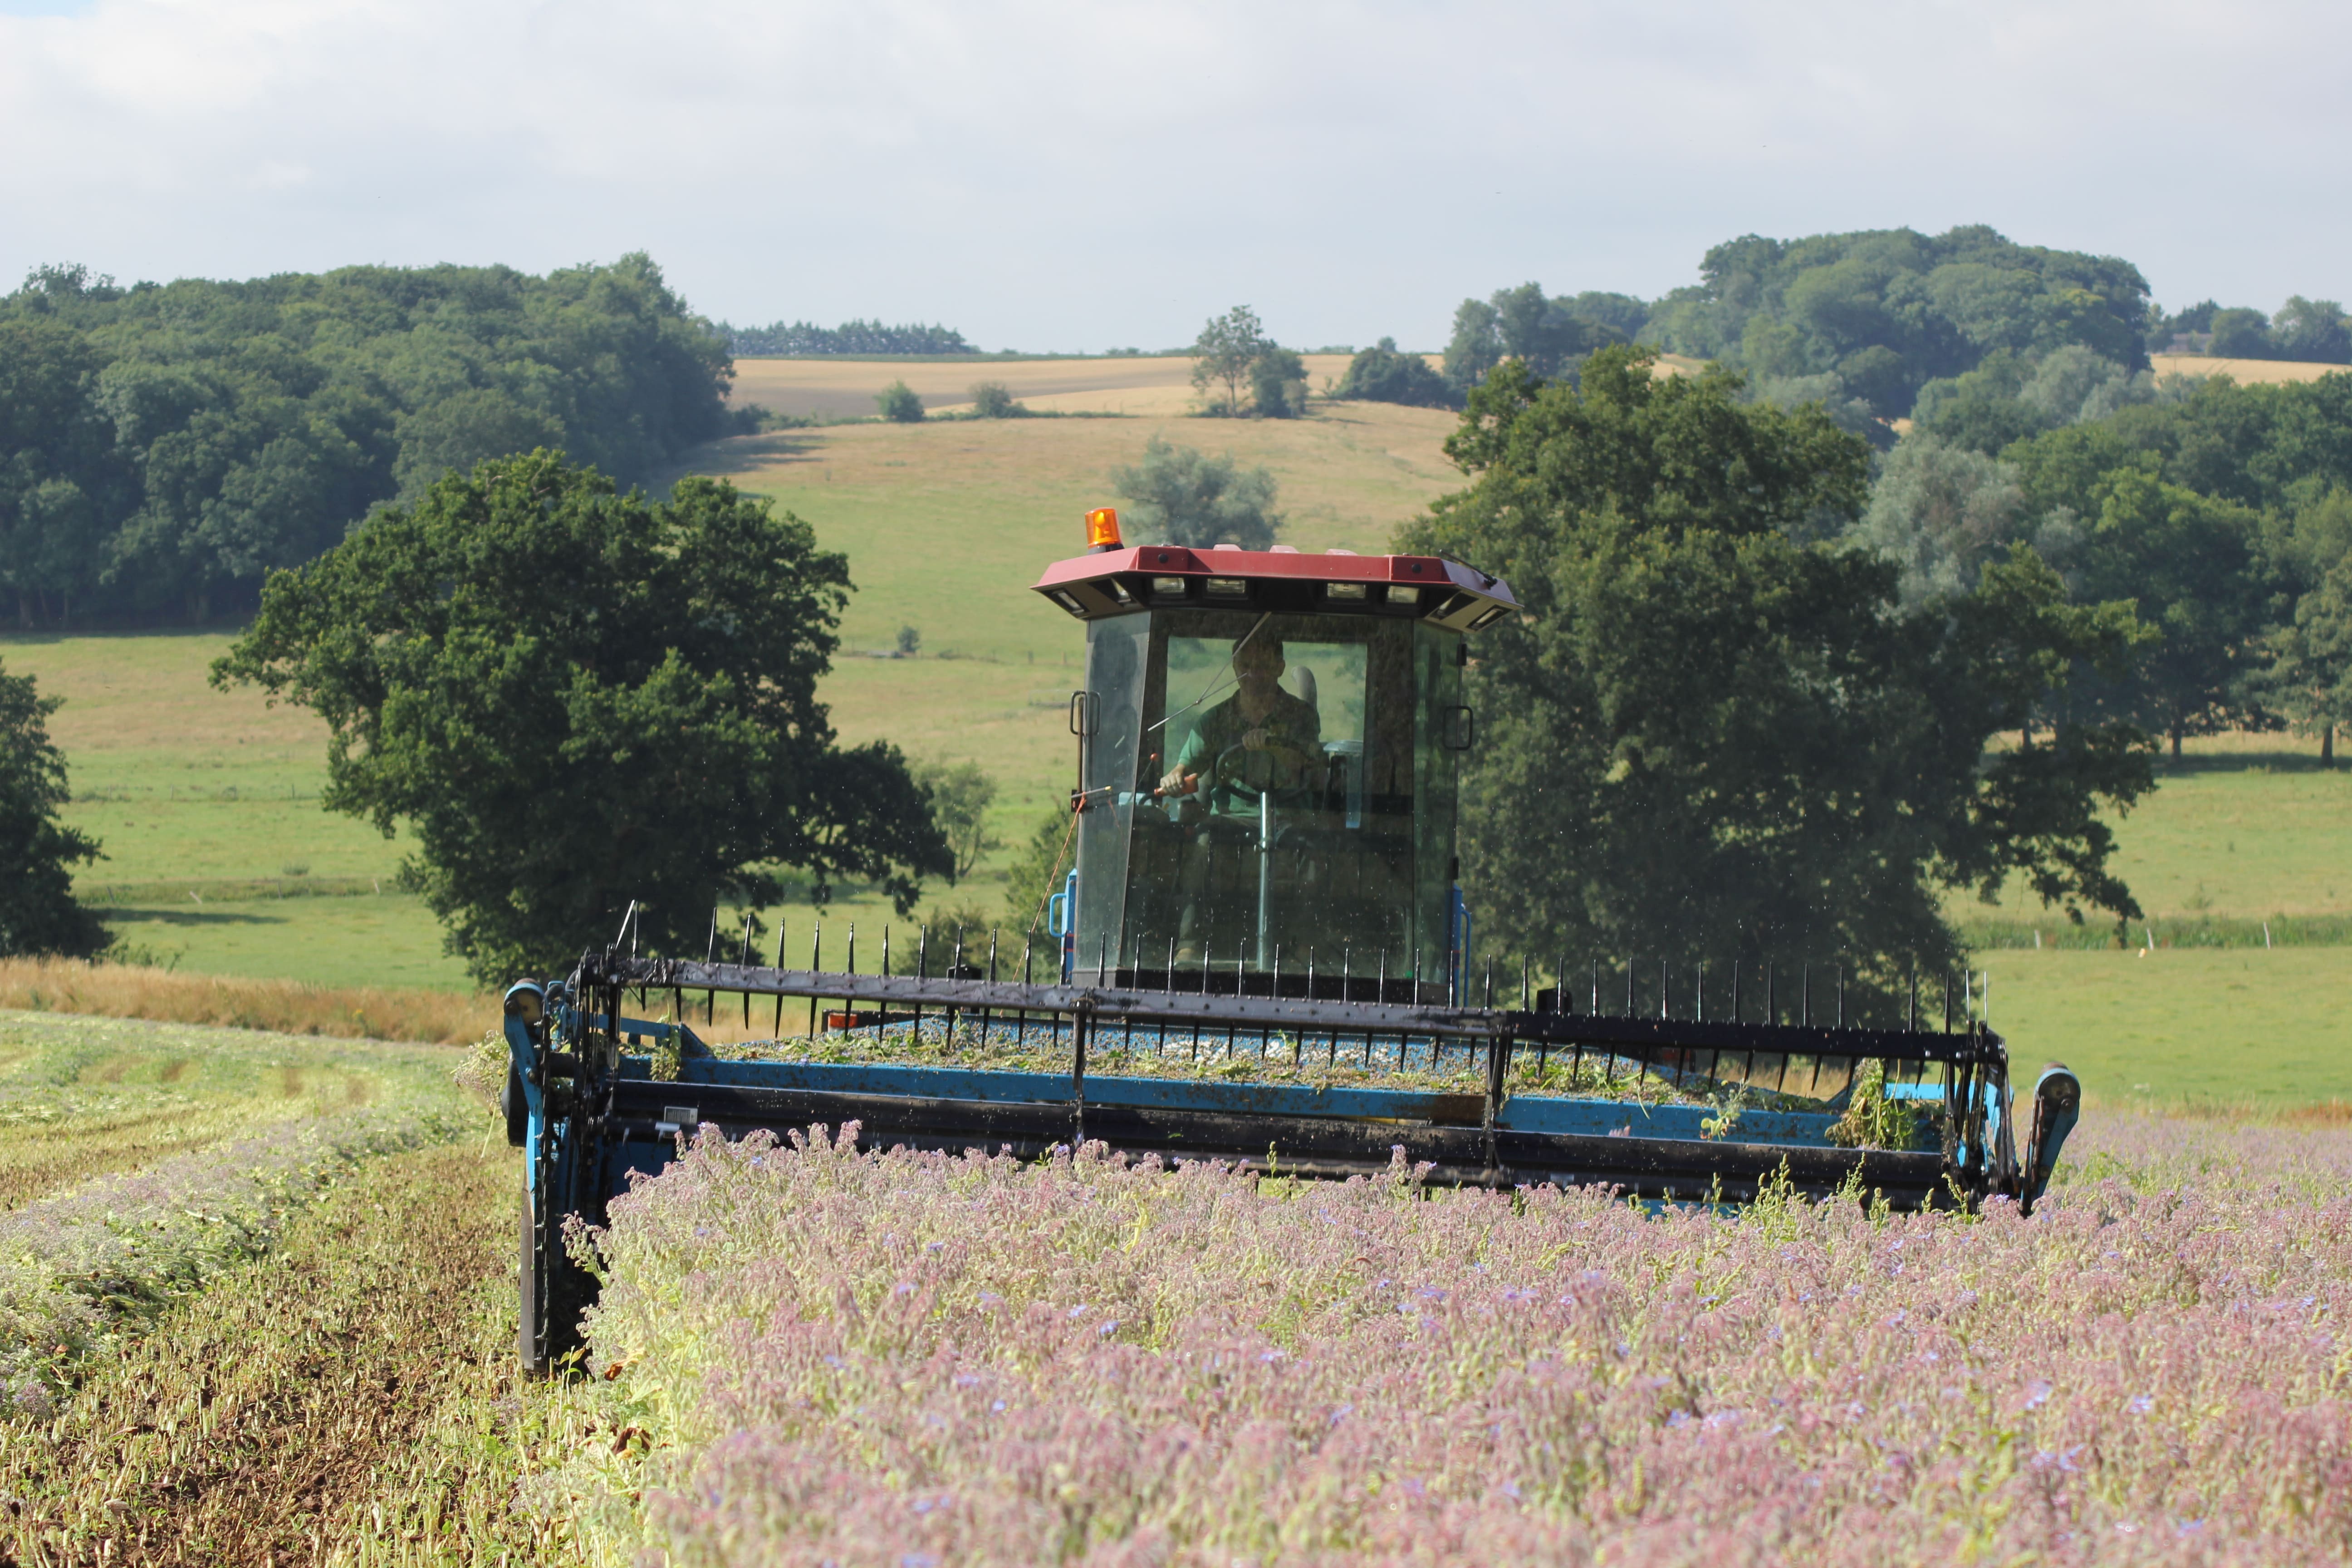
(206, 801)
(2188, 1028)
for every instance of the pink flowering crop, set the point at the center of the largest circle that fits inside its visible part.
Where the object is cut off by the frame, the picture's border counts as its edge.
(910, 1359)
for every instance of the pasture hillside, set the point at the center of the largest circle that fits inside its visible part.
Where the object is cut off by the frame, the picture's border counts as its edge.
(221, 861)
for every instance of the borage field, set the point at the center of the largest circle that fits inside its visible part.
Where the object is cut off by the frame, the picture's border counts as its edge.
(257, 1244)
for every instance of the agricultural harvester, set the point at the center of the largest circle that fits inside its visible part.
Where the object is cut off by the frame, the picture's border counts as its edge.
(1264, 833)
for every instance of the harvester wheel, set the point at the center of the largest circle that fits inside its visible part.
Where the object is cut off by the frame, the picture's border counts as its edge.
(513, 1106)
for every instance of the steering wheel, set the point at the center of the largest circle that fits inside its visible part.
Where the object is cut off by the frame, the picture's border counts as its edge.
(1217, 779)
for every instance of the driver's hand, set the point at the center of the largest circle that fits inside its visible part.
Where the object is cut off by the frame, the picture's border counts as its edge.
(1179, 782)
(1256, 740)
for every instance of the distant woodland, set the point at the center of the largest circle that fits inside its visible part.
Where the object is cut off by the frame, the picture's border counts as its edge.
(1882, 324)
(806, 340)
(165, 447)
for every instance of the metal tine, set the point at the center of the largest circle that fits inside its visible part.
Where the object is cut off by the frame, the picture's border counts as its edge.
(1405, 1040)
(922, 972)
(1054, 1017)
(634, 924)
(1127, 1040)
(1576, 1062)
(1644, 1076)
(1814, 1088)
(1274, 992)
(1415, 981)
(778, 1026)
(1299, 1042)
(1232, 1030)
(1331, 1056)
(991, 979)
(1381, 995)
(958, 974)
(1560, 1004)
(816, 964)
(710, 955)
(746, 963)
(1747, 1072)
(1021, 1015)
(1714, 1056)
(1204, 991)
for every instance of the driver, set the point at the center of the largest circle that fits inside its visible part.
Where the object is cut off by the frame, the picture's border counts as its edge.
(1261, 737)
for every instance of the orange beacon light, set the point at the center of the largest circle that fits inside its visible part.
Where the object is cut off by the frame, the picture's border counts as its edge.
(1102, 528)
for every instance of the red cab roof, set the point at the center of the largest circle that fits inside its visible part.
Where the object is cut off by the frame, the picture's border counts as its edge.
(1128, 578)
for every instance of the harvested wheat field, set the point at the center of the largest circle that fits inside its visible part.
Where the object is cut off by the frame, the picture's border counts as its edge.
(2244, 371)
(1156, 384)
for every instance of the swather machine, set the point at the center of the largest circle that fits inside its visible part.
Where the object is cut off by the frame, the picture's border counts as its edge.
(1264, 826)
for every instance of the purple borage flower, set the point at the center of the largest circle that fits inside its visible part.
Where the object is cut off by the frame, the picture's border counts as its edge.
(1260, 1391)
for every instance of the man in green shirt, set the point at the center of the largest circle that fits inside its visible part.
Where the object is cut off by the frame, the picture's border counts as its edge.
(1260, 738)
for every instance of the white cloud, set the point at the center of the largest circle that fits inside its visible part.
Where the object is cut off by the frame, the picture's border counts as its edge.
(1075, 176)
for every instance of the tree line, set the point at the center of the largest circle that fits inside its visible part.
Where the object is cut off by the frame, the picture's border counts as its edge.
(806, 339)
(1875, 326)
(165, 447)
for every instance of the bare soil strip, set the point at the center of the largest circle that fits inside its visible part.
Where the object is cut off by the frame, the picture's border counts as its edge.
(351, 1399)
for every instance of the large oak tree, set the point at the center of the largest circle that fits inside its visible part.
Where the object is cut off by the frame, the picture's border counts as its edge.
(575, 697)
(1719, 733)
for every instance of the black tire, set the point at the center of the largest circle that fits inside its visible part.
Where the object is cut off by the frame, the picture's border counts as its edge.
(515, 1108)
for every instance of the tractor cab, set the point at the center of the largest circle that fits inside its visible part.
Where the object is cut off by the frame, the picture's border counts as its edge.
(1267, 749)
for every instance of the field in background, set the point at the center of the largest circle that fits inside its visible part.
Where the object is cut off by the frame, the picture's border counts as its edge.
(839, 388)
(1157, 385)
(2181, 1029)
(2244, 371)
(2244, 827)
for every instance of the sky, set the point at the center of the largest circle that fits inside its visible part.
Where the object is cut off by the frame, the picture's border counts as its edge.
(1074, 177)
